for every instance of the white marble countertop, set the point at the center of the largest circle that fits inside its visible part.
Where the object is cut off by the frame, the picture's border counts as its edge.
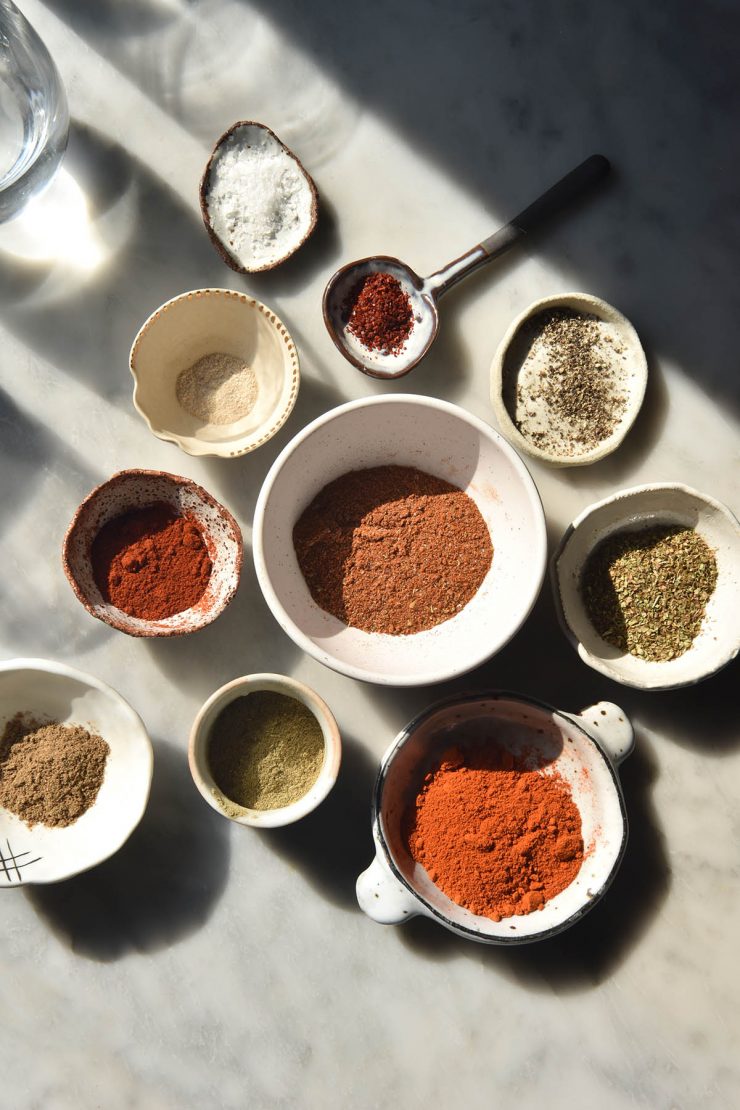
(214, 966)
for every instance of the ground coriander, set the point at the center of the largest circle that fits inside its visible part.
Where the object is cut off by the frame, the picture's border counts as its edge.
(646, 591)
(265, 750)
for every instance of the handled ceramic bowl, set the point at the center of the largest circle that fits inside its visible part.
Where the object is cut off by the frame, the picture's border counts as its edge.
(585, 749)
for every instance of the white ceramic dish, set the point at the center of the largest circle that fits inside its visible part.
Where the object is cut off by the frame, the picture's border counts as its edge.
(134, 489)
(198, 750)
(56, 692)
(443, 440)
(632, 374)
(583, 749)
(199, 323)
(644, 507)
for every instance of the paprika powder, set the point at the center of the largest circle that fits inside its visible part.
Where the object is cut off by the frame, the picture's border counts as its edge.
(151, 562)
(497, 835)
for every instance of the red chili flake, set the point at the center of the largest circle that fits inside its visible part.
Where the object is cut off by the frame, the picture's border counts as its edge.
(378, 312)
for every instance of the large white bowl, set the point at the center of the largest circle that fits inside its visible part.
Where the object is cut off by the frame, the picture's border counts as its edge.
(443, 440)
(54, 691)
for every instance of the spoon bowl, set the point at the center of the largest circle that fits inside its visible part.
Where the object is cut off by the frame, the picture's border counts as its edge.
(424, 293)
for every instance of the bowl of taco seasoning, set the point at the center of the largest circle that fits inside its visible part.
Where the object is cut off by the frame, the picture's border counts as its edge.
(499, 817)
(153, 554)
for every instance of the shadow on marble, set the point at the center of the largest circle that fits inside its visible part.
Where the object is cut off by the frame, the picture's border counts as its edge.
(590, 952)
(162, 886)
(334, 843)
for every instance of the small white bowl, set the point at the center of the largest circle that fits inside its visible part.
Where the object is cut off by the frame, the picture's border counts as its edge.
(198, 750)
(584, 749)
(135, 489)
(651, 506)
(199, 323)
(633, 377)
(53, 691)
(445, 441)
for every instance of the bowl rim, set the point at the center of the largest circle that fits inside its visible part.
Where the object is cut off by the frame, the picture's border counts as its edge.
(598, 306)
(263, 574)
(494, 695)
(63, 670)
(224, 448)
(608, 668)
(181, 482)
(291, 687)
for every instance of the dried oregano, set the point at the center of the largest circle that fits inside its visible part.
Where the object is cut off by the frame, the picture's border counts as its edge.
(646, 592)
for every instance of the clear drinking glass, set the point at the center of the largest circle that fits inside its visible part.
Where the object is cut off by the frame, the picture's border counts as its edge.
(34, 118)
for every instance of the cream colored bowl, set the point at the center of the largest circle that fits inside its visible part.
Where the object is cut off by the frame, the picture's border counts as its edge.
(203, 322)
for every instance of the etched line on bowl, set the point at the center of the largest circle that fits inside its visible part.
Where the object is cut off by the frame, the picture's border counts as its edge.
(12, 858)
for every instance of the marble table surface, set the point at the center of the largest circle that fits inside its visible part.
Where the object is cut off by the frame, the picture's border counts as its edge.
(214, 966)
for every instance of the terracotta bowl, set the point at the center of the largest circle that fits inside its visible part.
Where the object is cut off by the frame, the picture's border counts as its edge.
(135, 489)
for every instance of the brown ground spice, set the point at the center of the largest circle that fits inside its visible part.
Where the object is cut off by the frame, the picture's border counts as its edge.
(392, 549)
(379, 313)
(50, 774)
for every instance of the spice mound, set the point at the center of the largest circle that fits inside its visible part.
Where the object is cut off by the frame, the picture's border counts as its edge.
(392, 549)
(496, 835)
(217, 389)
(646, 592)
(378, 312)
(50, 774)
(151, 563)
(265, 751)
(564, 379)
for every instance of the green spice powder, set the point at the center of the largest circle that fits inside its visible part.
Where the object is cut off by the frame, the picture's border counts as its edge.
(646, 592)
(265, 750)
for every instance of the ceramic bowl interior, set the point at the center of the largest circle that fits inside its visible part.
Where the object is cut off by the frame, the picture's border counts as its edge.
(442, 440)
(53, 692)
(553, 740)
(199, 323)
(198, 750)
(135, 489)
(646, 507)
(631, 369)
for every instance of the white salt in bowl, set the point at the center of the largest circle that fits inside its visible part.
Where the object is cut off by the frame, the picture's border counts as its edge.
(584, 749)
(443, 440)
(630, 368)
(135, 489)
(53, 691)
(199, 323)
(198, 750)
(649, 506)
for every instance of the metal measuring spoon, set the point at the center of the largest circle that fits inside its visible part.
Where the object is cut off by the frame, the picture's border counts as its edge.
(425, 292)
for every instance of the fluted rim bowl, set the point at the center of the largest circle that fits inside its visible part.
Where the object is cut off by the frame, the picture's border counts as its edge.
(649, 506)
(445, 441)
(54, 691)
(201, 322)
(634, 377)
(135, 489)
(198, 750)
(584, 749)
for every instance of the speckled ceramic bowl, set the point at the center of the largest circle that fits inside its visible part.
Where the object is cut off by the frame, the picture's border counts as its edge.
(445, 441)
(584, 749)
(631, 369)
(52, 691)
(718, 641)
(135, 489)
(198, 750)
(199, 323)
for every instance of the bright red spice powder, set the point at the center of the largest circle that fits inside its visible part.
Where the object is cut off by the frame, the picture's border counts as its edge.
(496, 836)
(150, 562)
(378, 312)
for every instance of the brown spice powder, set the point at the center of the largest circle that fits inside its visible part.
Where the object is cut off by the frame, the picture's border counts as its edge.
(392, 549)
(50, 774)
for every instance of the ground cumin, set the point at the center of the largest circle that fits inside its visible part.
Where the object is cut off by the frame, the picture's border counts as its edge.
(496, 836)
(50, 774)
(392, 549)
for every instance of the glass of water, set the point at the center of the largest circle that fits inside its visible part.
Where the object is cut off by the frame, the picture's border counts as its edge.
(34, 118)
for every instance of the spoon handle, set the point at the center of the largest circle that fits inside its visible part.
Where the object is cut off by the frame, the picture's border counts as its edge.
(563, 193)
